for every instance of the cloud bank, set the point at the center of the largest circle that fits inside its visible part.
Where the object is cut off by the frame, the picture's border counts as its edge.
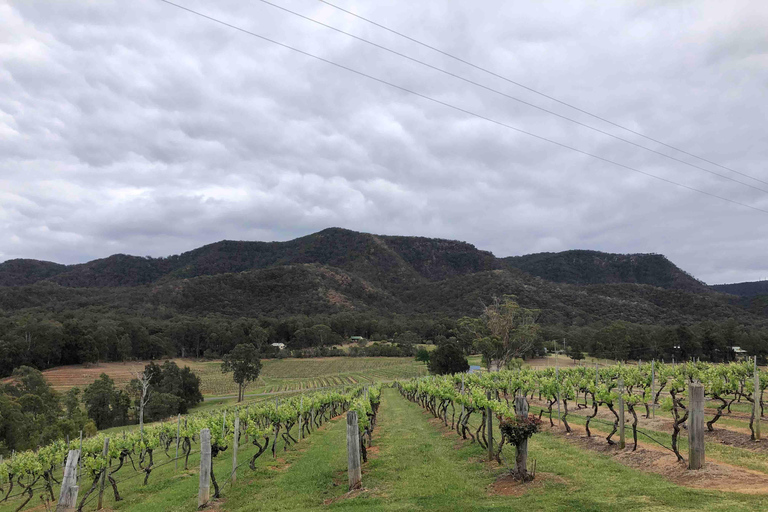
(141, 128)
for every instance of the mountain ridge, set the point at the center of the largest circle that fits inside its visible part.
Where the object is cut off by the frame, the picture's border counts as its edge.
(383, 259)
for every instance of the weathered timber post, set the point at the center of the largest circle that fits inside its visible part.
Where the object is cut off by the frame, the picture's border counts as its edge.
(204, 492)
(301, 416)
(353, 451)
(557, 380)
(462, 392)
(521, 451)
(178, 431)
(756, 404)
(489, 427)
(69, 488)
(80, 459)
(653, 387)
(696, 426)
(103, 477)
(622, 439)
(234, 449)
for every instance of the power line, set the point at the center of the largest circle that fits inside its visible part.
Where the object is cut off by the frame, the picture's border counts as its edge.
(531, 89)
(459, 109)
(508, 96)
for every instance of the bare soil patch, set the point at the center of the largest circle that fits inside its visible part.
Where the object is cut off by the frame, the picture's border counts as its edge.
(656, 459)
(507, 485)
(281, 465)
(738, 439)
(350, 495)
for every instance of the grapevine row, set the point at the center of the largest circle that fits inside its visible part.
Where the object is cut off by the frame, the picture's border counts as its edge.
(641, 386)
(262, 424)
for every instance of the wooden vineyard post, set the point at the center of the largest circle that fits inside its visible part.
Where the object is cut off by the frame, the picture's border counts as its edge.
(301, 416)
(696, 426)
(622, 439)
(489, 427)
(178, 431)
(234, 448)
(103, 477)
(653, 387)
(204, 492)
(557, 380)
(756, 404)
(521, 454)
(69, 488)
(353, 451)
(80, 459)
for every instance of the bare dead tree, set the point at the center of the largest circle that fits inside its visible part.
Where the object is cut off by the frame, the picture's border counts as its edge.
(504, 331)
(144, 379)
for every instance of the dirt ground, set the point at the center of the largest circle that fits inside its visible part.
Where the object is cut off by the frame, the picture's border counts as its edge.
(655, 459)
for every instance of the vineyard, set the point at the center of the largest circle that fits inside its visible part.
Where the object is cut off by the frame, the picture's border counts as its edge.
(593, 401)
(276, 376)
(134, 460)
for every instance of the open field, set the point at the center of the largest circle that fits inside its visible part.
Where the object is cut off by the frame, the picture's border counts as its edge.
(277, 375)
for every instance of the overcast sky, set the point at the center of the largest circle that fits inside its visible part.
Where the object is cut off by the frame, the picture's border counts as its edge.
(137, 127)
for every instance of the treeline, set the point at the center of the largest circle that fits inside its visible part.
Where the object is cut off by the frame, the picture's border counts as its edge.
(33, 414)
(707, 341)
(44, 339)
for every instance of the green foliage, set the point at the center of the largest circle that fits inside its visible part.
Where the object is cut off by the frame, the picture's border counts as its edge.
(32, 413)
(447, 358)
(516, 430)
(244, 364)
(107, 406)
(422, 355)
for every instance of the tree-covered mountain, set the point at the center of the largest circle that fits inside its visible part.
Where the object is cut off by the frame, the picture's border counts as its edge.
(594, 267)
(747, 289)
(380, 259)
(337, 270)
(336, 281)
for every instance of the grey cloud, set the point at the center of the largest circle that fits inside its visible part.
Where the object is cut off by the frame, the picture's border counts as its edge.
(141, 128)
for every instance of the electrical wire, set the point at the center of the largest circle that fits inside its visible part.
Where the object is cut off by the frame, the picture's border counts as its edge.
(460, 109)
(508, 96)
(531, 89)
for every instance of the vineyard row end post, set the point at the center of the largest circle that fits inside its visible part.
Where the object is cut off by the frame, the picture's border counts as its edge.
(234, 448)
(622, 438)
(696, 426)
(178, 431)
(756, 404)
(301, 417)
(489, 427)
(69, 488)
(103, 477)
(353, 451)
(204, 492)
(521, 456)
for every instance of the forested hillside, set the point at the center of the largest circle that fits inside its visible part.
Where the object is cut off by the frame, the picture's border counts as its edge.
(593, 267)
(318, 290)
(748, 289)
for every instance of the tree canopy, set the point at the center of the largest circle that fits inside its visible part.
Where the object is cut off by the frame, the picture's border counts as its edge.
(244, 364)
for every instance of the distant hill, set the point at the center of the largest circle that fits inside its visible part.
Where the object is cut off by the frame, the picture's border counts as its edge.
(381, 259)
(747, 289)
(593, 267)
(338, 270)
(20, 272)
